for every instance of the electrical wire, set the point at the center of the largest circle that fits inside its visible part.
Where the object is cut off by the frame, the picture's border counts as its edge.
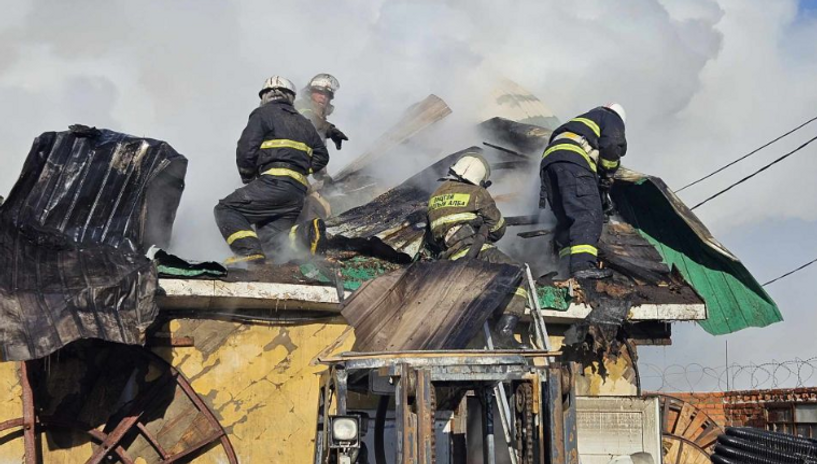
(747, 155)
(790, 272)
(755, 173)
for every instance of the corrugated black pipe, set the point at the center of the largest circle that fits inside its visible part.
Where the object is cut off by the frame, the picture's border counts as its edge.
(748, 457)
(780, 441)
(722, 460)
(758, 449)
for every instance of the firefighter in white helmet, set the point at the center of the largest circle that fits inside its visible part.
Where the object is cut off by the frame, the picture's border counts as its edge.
(577, 170)
(316, 104)
(458, 211)
(278, 149)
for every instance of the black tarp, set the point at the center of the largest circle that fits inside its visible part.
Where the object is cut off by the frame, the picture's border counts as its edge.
(73, 233)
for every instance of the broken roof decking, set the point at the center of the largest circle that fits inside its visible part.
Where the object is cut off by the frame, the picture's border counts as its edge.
(429, 305)
(734, 299)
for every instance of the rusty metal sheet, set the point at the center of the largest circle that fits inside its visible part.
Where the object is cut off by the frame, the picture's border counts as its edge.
(429, 305)
(73, 234)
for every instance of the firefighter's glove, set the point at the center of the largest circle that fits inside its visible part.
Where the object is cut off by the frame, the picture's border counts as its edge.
(337, 136)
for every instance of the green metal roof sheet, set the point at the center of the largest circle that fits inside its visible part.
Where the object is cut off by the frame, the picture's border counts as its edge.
(734, 299)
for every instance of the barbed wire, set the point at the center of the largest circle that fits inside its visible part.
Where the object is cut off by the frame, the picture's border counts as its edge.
(696, 377)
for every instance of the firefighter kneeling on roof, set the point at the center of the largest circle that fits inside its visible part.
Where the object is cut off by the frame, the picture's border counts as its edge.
(577, 172)
(278, 149)
(457, 211)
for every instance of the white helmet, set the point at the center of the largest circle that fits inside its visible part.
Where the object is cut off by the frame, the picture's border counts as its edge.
(277, 82)
(473, 168)
(619, 110)
(325, 82)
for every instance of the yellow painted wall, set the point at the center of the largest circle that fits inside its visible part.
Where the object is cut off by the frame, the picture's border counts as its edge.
(11, 407)
(260, 381)
(262, 384)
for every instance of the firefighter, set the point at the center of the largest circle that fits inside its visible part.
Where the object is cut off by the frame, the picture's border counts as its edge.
(577, 169)
(316, 105)
(457, 211)
(278, 149)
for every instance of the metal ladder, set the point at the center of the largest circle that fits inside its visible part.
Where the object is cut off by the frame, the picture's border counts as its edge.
(541, 342)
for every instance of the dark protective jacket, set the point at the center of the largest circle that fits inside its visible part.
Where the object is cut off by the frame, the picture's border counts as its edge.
(277, 135)
(315, 114)
(604, 131)
(456, 210)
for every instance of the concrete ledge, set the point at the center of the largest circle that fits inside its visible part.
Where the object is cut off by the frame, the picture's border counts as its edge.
(216, 294)
(650, 312)
(219, 295)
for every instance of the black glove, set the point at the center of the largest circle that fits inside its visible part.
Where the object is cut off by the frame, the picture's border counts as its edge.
(336, 135)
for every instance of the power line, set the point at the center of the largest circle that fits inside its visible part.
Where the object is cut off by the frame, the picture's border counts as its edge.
(790, 272)
(755, 173)
(747, 155)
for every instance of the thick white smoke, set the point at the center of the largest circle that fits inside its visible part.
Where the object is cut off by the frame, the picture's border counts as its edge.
(703, 81)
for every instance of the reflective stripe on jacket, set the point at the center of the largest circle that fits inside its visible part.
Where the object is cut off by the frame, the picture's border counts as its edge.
(457, 204)
(602, 129)
(277, 133)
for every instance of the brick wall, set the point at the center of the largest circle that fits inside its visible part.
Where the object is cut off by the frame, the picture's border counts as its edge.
(710, 403)
(745, 408)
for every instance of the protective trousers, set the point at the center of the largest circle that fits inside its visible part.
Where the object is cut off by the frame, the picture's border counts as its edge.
(516, 302)
(573, 194)
(270, 203)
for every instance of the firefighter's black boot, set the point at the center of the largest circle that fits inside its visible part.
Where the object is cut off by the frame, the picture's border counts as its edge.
(593, 273)
(504, 333)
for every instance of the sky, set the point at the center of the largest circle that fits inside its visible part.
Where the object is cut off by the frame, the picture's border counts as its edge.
(703, 81)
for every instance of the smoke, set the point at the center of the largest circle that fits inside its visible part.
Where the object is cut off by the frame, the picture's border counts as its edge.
(703, 81)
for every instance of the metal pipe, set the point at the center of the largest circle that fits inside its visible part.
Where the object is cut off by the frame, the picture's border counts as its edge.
(488, 438)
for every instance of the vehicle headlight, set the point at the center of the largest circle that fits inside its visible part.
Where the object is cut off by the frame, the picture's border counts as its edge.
(344, 429)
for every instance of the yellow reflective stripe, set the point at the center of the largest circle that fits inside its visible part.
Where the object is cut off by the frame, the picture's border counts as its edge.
(287, 173)
(452, 218)
(292, 237)
(576, 249)
(239, 235)
(449, 200)
(241, 259)
(464, 252)
(589, 123)
(316, 239)
(498, 225)
(287, 143)
(564, 252)
(573, 148)
(521, 292)
(609, 164)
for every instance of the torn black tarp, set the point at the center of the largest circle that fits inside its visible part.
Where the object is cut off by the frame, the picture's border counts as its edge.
(72, 237)
(429, 305)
